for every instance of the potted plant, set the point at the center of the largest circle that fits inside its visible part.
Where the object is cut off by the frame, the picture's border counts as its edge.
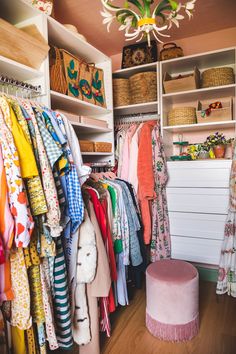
(217, 142)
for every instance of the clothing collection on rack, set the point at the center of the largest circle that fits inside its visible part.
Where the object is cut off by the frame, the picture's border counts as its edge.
(141, 162)
(67, 241)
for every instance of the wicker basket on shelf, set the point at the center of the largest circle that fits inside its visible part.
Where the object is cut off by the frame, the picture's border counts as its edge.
(218, 77)
(143, 87)
(102, 147)
(86, 145)
(121, 92)
(182, 116)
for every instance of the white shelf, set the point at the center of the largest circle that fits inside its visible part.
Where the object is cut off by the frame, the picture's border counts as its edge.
(87, 128)
(210, 59)
(126, 73)
(17, 70)
(199, 94)
(16, 11)
(61, 37)
(200, 126)
(74, 105)
(97, 153)
(136, 108)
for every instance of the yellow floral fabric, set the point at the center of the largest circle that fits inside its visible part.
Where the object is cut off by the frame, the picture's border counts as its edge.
(20, 306)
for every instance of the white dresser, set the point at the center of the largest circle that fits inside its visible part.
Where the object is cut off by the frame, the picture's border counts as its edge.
(198, 196)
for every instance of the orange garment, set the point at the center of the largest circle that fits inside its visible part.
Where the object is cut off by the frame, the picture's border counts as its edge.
(146, 191)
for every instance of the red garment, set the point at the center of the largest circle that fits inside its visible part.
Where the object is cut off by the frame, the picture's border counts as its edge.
(146, 191)
(100, 209)
(107, 305)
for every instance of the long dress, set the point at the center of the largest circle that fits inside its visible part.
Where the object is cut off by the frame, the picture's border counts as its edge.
(160, 243)
(227, 266)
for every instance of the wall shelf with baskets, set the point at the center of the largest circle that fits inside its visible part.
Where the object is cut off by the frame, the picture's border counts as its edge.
(136, 90)
(205, 92)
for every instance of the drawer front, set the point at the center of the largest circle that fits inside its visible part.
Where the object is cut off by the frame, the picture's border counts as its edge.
(208, 226)
(198, 174)
(196, 250)
(198, 200)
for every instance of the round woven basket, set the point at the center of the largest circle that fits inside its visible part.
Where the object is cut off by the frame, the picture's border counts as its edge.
(121, 92)
(182, 115)
(143, 87)
(217, 77)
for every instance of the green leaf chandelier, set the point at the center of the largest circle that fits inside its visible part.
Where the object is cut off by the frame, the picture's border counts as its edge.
(144, 22)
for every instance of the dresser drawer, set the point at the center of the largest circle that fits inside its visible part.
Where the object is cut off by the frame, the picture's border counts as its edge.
(198, 200)
(209, 226)
(196, 250)
(206, 174)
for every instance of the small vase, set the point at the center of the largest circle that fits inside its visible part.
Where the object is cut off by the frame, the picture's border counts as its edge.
(203, 155)
(219, 151)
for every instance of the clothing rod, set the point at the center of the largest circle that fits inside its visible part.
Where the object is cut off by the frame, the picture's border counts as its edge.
(136, 115)
(135, 119)
(20, 84)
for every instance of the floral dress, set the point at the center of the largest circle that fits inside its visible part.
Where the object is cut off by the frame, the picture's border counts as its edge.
(227, 266)
(160, 243)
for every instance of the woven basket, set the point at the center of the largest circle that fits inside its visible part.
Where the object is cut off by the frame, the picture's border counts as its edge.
(58, 81)
(86, 145)
(121, 92)
(102, 147)
(182, 115)
(143, 87)
(218, 77)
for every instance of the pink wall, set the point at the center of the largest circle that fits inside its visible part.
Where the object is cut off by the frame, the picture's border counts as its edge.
(197, 44)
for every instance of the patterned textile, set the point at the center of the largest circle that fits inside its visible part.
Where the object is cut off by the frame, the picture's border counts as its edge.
(52, 149)
(34, 186)
(160, 242)
(53, 214)
(17, 196)
(227, 265)
(48, 306)
(75, 201)
(61, 300)
(20, 306)
(6, 236)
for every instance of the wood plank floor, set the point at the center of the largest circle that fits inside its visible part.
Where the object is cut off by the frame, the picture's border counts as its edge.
(217, 328)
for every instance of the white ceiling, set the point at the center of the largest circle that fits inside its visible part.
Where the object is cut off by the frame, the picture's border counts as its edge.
(209, 16)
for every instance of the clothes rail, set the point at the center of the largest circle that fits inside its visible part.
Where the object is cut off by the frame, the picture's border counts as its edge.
(135, 118)
(11, 83)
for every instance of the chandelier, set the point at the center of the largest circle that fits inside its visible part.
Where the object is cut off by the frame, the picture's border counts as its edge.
(143, 22)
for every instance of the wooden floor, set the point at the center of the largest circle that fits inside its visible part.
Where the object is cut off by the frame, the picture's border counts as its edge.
(217, 328)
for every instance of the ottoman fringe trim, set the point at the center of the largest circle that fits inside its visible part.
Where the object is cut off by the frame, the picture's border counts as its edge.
(169, 332)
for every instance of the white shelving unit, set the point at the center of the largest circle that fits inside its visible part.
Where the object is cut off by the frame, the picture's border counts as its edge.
(74, 105)
(197, 191)
(20, 14)
(148, 107)
(196, 133)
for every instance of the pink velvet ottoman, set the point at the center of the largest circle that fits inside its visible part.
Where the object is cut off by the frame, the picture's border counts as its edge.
(172, 300)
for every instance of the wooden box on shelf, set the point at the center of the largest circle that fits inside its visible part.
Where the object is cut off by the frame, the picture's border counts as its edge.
(102, 147)
(215, 115)
(181, 82)
(86, 145)
(20, 46)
